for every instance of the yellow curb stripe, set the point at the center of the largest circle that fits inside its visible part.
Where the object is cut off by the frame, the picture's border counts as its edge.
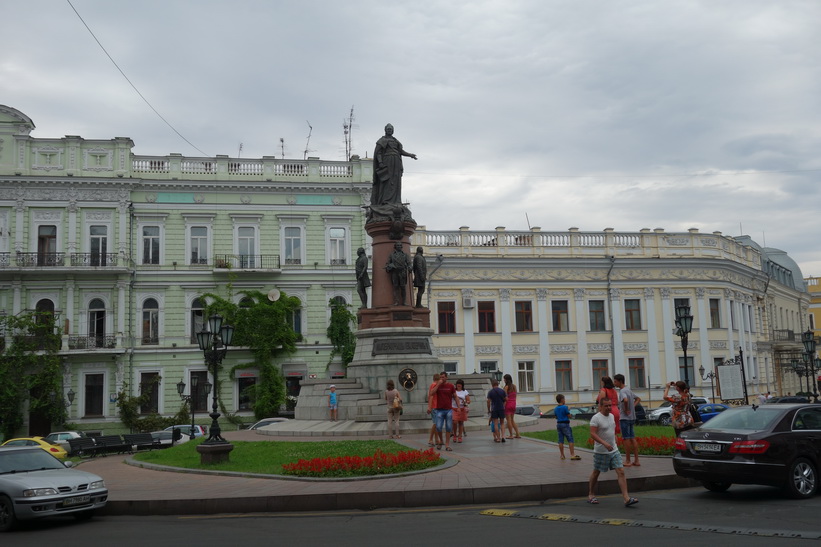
(500, 512)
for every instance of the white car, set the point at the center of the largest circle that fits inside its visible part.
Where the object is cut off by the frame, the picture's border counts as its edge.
(268, 421)
(61, 438)
(664, 414)
(199, 430)
(35, 484)
(163, 439)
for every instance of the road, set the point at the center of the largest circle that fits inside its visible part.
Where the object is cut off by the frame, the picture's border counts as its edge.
(746, 515)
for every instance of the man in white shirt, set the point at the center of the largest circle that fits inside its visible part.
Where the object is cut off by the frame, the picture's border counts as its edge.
(606, 454)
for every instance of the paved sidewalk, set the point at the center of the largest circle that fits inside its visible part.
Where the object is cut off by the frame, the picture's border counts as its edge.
(484, 472)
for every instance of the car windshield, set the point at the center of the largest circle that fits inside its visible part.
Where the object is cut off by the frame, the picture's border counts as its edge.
(22, 461)
(744, 419)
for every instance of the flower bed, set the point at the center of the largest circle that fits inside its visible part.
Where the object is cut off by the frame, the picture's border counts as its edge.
(648, 445)
(357, 466)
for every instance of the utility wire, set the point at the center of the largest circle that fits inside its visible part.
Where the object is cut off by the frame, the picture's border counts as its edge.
(592, 176)
(131, 83)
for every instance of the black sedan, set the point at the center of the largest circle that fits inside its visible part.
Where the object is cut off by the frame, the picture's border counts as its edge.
(775, 445)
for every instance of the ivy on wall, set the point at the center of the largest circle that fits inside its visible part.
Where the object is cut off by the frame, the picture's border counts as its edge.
(340, 332)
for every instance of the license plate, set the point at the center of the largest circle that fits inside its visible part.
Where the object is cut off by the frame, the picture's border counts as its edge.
(76, 500)
(707, 447)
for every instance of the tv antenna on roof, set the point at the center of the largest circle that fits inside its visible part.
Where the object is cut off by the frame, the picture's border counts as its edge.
(347, 129)
(282, 146)
(308, 141)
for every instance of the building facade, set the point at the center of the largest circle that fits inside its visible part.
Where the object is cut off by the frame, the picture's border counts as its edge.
(559, 310)
(122, 248)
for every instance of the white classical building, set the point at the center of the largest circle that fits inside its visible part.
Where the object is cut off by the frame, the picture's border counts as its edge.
(559, 310)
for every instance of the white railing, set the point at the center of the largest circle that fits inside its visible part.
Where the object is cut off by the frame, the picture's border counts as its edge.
(150, 165)
(245, 167)
(198, 167)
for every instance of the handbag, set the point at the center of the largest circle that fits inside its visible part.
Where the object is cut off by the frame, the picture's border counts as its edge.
(397, 403)
(693, 410)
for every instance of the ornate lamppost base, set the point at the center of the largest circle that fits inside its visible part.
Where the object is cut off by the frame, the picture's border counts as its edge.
(214, 453)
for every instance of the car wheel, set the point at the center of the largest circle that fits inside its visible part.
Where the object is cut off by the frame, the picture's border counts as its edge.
(802, 479)
(665, 419)
(7, 519)
(716, 486)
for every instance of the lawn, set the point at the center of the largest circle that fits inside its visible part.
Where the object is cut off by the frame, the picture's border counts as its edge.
(651, 439)
(268, 457)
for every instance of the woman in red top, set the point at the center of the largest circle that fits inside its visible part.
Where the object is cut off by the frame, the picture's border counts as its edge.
(608, 390)
(510, 408)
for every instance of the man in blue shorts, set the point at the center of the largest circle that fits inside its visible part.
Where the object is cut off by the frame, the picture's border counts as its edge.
(445, 394)
(496, 398)
(627, 407)
(606, 454)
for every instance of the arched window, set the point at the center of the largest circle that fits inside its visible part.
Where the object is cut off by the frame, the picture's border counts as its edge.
(340, 300)
(151, 321)
(96, 323)
(246, 302)
(44, 312)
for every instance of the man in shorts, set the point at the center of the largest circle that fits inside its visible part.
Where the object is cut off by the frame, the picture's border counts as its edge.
(431, 404)
(627, 406)
(606, 454)
(496, 398)
(444, 394)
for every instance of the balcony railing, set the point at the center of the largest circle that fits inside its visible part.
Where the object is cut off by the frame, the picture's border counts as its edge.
(107, 341)
(247, 262)
(58, 260)
(783, 335)
(94, 259)
(31, 260)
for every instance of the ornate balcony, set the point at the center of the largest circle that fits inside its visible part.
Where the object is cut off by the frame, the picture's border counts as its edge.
(108, 341)
(247, 262)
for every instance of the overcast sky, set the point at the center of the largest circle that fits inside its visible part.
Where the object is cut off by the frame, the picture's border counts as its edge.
(625, 114)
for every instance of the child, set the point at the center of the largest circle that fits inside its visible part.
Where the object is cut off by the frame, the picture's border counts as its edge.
(563, 427)
(333, 403)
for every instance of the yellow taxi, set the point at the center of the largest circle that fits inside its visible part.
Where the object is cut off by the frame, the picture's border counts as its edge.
(55, 450)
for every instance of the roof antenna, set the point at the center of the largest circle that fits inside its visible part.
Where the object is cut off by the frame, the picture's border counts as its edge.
(282, 146)
(528, 220)
(239, 152)
(308, 141)
(347, 130)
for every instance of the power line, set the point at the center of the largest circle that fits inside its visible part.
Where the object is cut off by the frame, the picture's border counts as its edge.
(591, 176)
(131, 83)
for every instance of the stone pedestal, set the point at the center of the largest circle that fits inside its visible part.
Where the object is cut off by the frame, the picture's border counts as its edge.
(214, 453)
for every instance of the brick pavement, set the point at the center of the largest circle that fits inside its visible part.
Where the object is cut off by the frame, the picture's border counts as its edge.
(480, 472)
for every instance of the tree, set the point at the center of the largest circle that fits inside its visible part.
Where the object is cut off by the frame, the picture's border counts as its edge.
(339, 331)
(30, 369)
(265, 327)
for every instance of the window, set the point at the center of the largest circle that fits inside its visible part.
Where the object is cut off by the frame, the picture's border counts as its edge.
(715, 313)
(151, 322)
(447, 317)
(632, 314)
(487, 367)
(337, 245)
(199, 395)
(246, 302)
(597, 322)
(151, 244)
(46, 245)
(564, 376)
(561, 322)
(635, 367)
(690, 368)
(149, 383)
(246, 246)
(245, 389)
(450, 368)
(293, 245)
(199, 245)
(93, 395)
(487, 317)
(599, 370)
(526, 372)
(295, 320)
(197, 319)
(99, 245)
(524, 316)
(96, 323)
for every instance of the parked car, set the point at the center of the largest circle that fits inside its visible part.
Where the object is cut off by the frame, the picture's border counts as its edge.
(711, 410)
(575, 411)
(776, 445)
(530, 410)
(54, 449)
(34, 484)
(162, 439)
(664, 414)
(268, 421)
(786, 399)
(641, 414)
(199, 430)
(61, 438)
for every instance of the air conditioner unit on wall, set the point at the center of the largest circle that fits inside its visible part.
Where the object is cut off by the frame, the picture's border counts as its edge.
(467, 302)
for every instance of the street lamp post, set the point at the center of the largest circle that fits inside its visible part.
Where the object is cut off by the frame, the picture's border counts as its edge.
(808, 339)
(684, 325)
(709, 376)
(799, 369)
(214, 344)
(192, 397)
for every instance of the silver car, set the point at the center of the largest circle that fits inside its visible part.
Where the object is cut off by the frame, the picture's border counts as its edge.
(35, 484)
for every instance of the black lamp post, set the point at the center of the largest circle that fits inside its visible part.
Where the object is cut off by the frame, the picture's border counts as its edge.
(214, 344)
(709, 376)
(192, 397)
(799, 369)
(684, 325)
(808, 339)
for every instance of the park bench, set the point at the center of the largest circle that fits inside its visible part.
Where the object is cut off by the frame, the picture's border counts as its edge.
(140, 441)
(112, 443)
(83, 447)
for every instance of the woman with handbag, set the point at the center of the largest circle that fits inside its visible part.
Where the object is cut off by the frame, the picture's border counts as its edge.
(394, 402)
(460, 410)
(680, 404)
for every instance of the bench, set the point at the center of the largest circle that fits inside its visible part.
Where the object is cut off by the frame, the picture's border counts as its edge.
(140, 441)
(112, 443)
(83, 447)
